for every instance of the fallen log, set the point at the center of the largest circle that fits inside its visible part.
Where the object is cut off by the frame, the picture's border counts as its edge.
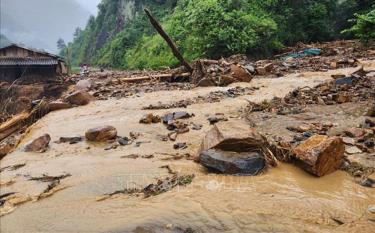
(159, 77)
(23, 120)
(169, 41)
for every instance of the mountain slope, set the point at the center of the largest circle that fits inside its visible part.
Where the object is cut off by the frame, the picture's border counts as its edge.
(40, 23)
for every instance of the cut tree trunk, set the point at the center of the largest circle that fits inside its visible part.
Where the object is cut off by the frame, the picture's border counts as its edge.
(169, 41)
(320, 155)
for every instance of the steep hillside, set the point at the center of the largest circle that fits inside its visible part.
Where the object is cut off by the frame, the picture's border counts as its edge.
(118, 26)
(40, 23)
(121, 36)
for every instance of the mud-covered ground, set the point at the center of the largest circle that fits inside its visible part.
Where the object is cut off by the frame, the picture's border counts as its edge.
(66, 188)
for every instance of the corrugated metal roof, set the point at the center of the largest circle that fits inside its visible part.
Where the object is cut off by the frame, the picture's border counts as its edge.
(33, 50)
(14, 61)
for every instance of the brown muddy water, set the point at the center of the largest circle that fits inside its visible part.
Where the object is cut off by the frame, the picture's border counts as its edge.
(284, 199)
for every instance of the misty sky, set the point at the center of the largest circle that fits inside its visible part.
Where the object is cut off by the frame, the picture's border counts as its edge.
(90, 5)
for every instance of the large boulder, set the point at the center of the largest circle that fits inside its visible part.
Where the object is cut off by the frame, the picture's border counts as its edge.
(79, 98)
(235, 135)
(233, 147)
(228, 162)
(39, 145)
(101, 134)
(84, 85)
(320, 155)
(240, 73)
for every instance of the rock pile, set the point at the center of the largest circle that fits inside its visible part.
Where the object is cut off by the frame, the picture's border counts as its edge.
(355, 88)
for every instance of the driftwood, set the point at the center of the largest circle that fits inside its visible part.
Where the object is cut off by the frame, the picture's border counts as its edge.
(23, 120)
(169, 41)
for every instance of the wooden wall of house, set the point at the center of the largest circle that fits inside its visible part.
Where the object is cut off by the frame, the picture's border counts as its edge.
(29, 74)
(20, 52)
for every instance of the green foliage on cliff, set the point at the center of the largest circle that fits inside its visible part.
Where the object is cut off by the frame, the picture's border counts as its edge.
(121, 36)
(364, 27)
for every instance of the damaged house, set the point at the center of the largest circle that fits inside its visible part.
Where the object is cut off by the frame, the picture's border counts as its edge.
(29, 65)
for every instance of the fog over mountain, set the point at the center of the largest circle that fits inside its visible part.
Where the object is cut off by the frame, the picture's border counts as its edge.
(40, 23)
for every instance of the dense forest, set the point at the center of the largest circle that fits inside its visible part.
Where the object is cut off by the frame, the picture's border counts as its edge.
(121, 37)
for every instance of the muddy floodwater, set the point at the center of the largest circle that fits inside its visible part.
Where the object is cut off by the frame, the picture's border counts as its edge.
(283, 199)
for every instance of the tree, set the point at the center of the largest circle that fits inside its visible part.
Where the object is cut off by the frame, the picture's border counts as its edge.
(364, 27)
(61, 44)
(77, 33)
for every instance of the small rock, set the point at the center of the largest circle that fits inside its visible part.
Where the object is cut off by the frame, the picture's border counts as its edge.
(70, 140)
(250, 69)
(39, 145)
(370, 122)
(123, 141)
(180, 146)
(344, 81)
(371, 209)
(353, 150)
(369, 143)
(348, 141)
(333, 65)
(101, 134)
(263, 70)
(338, 76)
(206, 82)
(196, 127)
(150, 119)
(215, 119)
(368, 183)
(79, 98)
(371, 110)
(354, 132)
(169, 117)
(58, 105)
(341, 98)
(173, 136)
(84, 85)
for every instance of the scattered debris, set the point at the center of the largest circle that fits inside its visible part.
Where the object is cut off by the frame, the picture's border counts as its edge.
(161, 186)
(150, 119)
(170, 171)
(13, 167)
(70, 140)
(48, 178)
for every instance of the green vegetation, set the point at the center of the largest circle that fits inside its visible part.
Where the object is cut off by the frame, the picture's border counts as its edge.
(121, 36)
(364, 27)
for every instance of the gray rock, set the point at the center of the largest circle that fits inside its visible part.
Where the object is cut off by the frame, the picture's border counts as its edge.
(353, 150)
(39, 145)
(235, 163)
